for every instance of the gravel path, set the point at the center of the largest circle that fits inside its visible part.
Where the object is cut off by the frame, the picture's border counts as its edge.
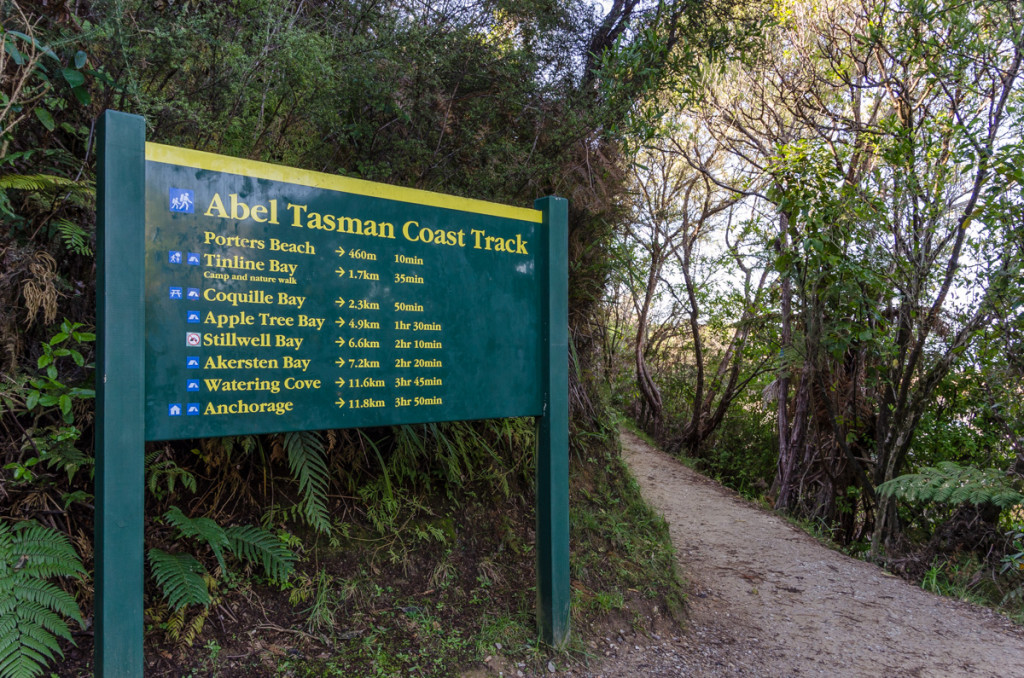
(768, 600)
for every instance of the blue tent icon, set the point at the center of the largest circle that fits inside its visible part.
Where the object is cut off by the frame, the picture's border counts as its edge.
(193, 259)
(192, 317)
(193, 293)
(192, 362)
(192, 409)
(192, 385)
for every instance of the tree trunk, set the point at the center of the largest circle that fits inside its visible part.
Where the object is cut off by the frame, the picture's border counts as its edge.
(651, 405)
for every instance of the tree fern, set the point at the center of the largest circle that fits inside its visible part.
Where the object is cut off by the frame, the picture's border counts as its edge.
(308, 465)
(32, 609)
(950, 483)
(180, 577)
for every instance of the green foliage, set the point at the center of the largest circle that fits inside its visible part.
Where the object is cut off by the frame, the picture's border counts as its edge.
(249, 543)
(320, 592)
(180, 577)
(74, 237)
(57, 446)
(185, 582)
(743, 453)
(969, 578)
(1014, 561)
(258, 546)
(48, 398)
(42, 182)
(163, 474)
(620, 544)
(950, 483)
(202, 529)
(32, 609)
(47, 390)
(305, 452)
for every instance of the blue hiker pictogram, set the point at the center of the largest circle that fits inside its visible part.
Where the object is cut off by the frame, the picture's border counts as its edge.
(174, 257)
(192, 385)
(192, 316)
(192, 362)
(175, 293)
(192, 294)
(193, 258)
(192, 409)
(174, 410)
(182, 201)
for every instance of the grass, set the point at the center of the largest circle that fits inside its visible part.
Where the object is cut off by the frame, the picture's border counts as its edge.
(623, 547)
(966, 578)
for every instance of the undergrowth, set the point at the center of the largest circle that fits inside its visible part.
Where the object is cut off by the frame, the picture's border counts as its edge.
(969, 578)
(467, 592)
(429, 573)
(621, 546)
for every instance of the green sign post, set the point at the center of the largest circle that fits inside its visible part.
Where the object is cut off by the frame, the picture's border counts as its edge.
(243, 297)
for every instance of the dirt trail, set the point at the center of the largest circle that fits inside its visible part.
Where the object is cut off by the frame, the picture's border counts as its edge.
(768, 600)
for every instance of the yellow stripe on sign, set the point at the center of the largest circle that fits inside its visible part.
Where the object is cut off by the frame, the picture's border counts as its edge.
(173, 155)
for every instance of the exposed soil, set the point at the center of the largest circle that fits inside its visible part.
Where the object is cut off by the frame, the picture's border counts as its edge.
(768, 600)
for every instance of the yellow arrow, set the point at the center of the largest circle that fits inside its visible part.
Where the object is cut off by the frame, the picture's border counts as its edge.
(340, 403)
(340, 382)
(340, 251)
(339, 301)
(340, 272)
(340, 342)
(340, 322)
(340, 362)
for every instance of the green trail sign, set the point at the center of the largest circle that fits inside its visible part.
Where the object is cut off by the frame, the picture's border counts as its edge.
(282, 300)
(239, 297)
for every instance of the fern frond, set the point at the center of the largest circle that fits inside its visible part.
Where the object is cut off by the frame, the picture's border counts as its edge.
(59, 451)
(950, 483)
(48, 596)
(204, 529)
(168, 472)
(175, 623)
(257, 545)
(34, 618)
(37, 182)
(308, 465)
(27, 642)
(74, 237)
(193, 629)
(32, 609)
(39, 552)
(29, 657)
(180, 578)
